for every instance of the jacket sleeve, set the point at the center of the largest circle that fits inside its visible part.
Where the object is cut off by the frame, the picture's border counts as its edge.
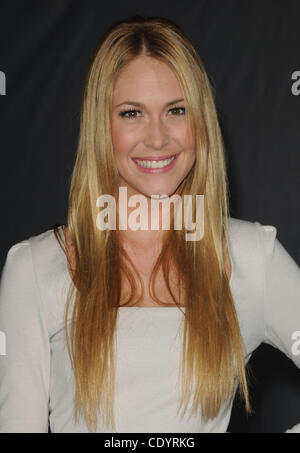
(281, 297)
(25, 347)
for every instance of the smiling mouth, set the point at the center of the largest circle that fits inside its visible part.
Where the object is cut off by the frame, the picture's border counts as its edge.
(158, 162)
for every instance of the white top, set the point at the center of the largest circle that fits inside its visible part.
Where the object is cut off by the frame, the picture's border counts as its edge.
(36, 380)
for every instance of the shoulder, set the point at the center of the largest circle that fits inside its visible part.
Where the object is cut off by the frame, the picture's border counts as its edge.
(244, 230)
(250, 241)
(42, 252)
(251, 245)
(41, 260)
(42, 246)
(47, 254)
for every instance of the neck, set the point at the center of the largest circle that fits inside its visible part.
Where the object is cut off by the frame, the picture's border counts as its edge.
(141, 215)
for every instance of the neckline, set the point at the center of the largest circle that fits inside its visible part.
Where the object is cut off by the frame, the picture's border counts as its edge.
(231, 280)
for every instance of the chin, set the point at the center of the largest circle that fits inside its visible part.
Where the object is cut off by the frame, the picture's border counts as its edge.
(167, 192)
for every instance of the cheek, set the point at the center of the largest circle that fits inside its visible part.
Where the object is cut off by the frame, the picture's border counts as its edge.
(184, 136)
(120, 141)
(125, 136)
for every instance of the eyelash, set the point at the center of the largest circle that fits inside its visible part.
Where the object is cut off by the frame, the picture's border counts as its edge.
(123, 113)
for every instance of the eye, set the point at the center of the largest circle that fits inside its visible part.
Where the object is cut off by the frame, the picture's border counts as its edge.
(130, 111)
(176, 109)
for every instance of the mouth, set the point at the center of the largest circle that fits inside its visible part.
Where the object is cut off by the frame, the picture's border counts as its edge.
(155, 162)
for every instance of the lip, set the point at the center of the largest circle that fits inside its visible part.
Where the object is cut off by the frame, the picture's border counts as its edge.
(157, 170)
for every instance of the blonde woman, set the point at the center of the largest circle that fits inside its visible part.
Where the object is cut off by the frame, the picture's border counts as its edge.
(120, 329)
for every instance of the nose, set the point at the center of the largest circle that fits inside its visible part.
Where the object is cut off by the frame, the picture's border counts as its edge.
(156, 135)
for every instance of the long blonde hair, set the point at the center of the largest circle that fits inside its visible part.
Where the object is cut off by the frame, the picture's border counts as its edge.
(213, 351)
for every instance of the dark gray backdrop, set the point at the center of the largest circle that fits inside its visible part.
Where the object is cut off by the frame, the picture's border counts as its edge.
(251, 52)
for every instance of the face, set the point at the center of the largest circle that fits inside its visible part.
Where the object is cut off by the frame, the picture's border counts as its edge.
(153, 147)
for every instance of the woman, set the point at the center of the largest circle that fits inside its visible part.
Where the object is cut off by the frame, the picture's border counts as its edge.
(157, 321)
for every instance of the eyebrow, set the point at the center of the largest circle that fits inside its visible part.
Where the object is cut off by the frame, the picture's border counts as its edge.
(140, 104)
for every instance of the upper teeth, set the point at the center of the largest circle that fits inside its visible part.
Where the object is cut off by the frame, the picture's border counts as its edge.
(154, 163)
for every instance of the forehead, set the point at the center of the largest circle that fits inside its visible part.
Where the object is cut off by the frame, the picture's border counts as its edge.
(146, 78)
